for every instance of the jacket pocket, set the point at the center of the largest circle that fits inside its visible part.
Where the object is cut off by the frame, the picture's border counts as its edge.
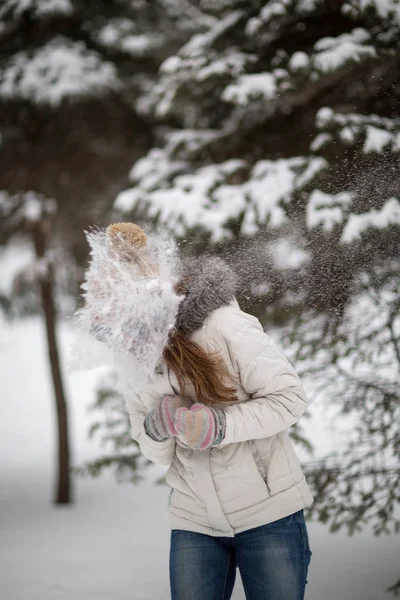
(260, 464)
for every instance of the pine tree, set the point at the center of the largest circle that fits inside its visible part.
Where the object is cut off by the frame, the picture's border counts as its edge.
(30, 215)
(70, 72)
(278, 145)
(272, 134)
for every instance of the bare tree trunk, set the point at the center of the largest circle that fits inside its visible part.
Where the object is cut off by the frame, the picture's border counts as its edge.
(40, 233)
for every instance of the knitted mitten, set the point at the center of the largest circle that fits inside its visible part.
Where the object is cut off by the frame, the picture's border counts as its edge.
(200, 427)
(159, 422)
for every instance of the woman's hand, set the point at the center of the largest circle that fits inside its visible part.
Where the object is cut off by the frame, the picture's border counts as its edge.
(200, 427)
(159, 423)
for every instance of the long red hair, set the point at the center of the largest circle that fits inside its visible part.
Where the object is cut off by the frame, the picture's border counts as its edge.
(205, 371)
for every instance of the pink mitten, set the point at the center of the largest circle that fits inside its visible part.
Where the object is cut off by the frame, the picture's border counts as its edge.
(201, 426)
(160, 422)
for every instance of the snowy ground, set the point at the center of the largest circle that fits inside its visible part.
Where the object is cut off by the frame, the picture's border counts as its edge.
(112, 544)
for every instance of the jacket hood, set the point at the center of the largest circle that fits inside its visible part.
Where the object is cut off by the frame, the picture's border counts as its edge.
(208, 283)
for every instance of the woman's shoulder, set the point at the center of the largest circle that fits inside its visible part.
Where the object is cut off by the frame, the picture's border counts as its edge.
(230, 320)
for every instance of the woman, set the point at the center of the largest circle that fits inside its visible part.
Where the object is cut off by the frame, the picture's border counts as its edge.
(218, 414)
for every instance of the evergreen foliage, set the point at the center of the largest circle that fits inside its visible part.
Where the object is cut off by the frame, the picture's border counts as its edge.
(266, 131)
(278, 146)
(70, 72)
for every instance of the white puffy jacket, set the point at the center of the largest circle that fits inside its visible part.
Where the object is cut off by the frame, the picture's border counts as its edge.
(254, 476)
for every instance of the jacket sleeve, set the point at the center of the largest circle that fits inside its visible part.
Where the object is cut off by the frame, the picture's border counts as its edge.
(160, 453)
(277, 398)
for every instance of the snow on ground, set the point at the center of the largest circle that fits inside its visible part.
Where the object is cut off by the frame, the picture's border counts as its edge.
(113, 543)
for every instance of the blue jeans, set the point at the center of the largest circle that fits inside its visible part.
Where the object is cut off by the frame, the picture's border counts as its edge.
(272, 559)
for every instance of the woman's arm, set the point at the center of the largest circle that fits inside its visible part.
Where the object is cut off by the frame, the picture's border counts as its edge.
(160, 453)
(277, 396)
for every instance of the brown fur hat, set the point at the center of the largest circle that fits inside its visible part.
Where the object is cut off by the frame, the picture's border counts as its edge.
(129, 242)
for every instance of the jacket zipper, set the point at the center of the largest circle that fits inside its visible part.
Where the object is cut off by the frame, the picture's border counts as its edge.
(263, 475)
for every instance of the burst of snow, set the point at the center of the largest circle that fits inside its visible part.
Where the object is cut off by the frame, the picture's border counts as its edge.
(153, 284)
(127, 311)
